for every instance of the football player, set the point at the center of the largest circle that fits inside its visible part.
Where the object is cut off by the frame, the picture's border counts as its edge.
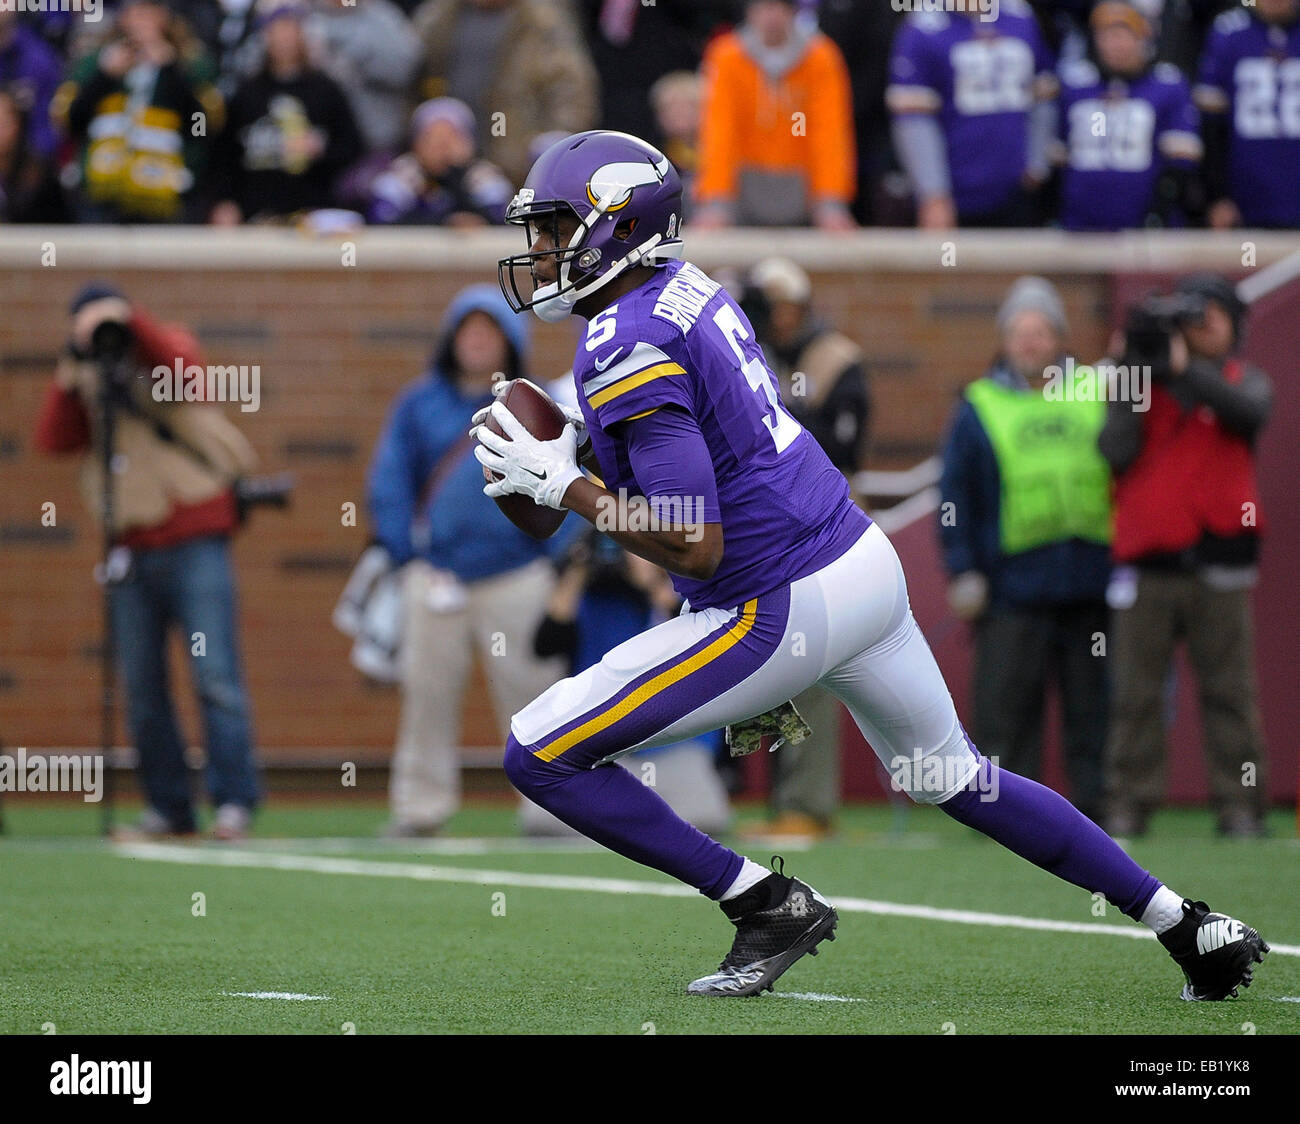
(787, 582)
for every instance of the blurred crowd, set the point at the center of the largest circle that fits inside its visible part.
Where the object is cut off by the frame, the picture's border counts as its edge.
(1086, 114)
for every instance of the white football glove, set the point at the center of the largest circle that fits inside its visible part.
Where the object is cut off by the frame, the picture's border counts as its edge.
(573, 416)
(579, 424)
(541, 470)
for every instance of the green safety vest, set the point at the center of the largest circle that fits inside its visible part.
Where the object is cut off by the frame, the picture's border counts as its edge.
(1055, 484)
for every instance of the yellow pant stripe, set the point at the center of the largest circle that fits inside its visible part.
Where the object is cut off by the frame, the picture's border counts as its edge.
(648, 690)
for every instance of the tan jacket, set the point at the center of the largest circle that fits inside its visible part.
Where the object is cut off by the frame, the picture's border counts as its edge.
(823, 361)
(153, 474)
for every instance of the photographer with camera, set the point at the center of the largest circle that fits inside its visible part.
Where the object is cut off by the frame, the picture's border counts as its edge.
(171, 510)
(1186, 549)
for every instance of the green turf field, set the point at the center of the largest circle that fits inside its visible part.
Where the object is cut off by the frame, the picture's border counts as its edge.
(106, 941)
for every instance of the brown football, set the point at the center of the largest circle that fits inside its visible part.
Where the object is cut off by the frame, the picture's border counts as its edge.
(538, 414)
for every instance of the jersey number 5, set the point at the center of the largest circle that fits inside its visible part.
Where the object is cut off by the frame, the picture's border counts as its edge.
(780, 425)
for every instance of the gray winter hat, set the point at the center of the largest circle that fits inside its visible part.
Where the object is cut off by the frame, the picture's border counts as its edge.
(1038, 294)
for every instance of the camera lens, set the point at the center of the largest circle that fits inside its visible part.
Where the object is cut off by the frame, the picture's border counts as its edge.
(110, 340)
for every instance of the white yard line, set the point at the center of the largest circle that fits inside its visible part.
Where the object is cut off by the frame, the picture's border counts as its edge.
(446, 845)
(319, 864)
(816, 997)
(451, 845)
(204, 856)
(293, 995)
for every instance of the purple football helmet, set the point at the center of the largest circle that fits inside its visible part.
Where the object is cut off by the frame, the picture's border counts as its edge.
(627, 200)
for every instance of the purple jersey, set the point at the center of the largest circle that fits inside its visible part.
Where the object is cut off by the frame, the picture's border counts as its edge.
(1119, 136)
(1251, 70)
(980, 78)
(681, 341)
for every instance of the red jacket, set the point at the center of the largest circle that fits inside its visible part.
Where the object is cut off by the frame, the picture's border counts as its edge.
(1193, 477)
(63, 426)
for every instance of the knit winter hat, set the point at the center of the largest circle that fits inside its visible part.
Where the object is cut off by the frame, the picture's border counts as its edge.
(93, 291)
(452, 110)
(1036, 294)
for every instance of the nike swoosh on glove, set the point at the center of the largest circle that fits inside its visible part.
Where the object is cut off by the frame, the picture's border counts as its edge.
(541, 470)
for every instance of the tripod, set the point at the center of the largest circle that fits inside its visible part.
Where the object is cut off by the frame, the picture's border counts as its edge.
(114, 370)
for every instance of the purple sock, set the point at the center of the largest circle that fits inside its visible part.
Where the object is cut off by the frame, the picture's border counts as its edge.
(608, 804)
(1042, 826)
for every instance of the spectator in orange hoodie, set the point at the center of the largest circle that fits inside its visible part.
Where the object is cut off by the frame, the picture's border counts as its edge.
(776, 138)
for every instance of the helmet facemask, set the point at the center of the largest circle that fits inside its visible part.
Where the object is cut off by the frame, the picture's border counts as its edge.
(577, 264)
(554, 296)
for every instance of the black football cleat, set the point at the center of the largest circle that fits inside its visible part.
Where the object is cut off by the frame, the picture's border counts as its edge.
(1217, 954)
(777, 921)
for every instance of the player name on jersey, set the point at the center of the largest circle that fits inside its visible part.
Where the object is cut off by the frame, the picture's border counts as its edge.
(685, 296)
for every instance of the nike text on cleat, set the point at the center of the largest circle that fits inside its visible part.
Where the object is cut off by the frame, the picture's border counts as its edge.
(777, 921)
(1217, 954)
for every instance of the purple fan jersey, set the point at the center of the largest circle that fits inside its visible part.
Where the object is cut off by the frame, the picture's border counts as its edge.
(680, 341)
(981, 78)
(1251, 70)
(1119, 136)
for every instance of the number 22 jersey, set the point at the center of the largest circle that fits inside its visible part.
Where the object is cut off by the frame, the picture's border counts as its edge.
(1251, 71)
(680, 341)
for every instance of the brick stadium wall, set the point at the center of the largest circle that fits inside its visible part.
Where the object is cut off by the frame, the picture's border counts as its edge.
(335, 343)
